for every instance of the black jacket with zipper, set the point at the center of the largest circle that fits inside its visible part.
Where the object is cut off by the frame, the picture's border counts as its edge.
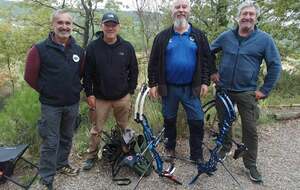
(156, 67)
(111, 71)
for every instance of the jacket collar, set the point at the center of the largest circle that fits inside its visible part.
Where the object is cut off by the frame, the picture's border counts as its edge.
(236, 31)
(99, 36)
(50, 42)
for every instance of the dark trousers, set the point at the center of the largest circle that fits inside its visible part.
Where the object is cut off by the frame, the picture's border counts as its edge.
(194, 112)
(249, 112)
(56, 128)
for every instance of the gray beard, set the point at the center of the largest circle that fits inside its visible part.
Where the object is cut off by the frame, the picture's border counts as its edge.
(180, 22)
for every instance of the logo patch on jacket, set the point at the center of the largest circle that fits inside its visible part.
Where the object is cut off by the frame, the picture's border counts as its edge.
(76, 58)
(121, 53)
(192, 38)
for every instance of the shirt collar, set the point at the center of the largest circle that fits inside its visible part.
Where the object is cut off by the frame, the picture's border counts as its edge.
(186, 32)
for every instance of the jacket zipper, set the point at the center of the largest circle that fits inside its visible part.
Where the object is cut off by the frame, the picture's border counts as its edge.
(234, 68)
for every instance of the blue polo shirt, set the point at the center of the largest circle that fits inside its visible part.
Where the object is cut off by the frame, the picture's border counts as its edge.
(181, 58)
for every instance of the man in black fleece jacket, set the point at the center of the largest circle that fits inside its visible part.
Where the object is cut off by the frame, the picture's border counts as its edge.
(110, 77)
(178, 71)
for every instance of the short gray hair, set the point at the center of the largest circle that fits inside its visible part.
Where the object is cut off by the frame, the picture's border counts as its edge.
(246, 4)
(175, 1)
(58, 12)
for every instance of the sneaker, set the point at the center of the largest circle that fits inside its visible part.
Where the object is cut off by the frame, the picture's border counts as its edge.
(255, 175)
(170, 155)
(68, 170)
(88, 164)
(45, 186)
(223, 155)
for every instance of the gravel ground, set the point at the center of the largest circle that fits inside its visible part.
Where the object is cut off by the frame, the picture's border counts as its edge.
(279, 163)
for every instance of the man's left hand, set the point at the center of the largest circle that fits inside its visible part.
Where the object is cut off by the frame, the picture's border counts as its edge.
(204, 90)
(259, 95)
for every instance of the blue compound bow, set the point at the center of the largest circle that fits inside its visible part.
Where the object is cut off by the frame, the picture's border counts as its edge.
(152, 141)
(210, 166)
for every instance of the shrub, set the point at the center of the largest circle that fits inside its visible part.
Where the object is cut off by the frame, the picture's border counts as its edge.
(19, 118)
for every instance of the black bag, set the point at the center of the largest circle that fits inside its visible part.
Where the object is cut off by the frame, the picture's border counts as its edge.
(119, 154)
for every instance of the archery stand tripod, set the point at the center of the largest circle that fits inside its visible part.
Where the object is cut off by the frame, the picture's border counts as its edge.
(9, 156)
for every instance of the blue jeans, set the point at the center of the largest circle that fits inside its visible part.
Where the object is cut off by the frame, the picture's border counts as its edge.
(195, 115)
(56, 128)
(191, 104)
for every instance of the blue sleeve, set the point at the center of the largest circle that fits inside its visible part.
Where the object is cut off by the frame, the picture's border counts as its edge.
(215, 47)
(272, 59)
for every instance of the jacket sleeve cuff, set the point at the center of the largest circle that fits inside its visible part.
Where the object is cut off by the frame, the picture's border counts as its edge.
(88, 94)
(264, 91)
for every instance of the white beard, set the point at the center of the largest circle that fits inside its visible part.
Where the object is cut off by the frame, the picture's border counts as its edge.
(182, 22)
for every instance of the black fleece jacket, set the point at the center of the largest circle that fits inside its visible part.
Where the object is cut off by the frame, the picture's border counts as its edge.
(156, 67)
(111, 71)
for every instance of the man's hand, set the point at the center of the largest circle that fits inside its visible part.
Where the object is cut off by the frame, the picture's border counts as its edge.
(215, 77)
(154, 92)
(259, 95)
(91, 101)
(204, 90)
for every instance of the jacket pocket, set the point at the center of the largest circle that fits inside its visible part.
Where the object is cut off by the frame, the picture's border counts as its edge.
(244, 76)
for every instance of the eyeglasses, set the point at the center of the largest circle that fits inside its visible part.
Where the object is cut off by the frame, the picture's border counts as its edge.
(110, 24)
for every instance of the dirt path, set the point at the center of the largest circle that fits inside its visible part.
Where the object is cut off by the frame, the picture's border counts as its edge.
(279, 163)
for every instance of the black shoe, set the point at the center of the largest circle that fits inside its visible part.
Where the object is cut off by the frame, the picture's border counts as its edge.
(255, 175)
(88, 164)
(201, 161)
(197, 161)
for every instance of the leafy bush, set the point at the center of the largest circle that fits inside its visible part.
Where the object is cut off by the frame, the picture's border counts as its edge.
(19, 118)
(286, 91)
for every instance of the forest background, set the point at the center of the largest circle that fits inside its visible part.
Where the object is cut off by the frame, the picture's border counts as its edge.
(24, 23)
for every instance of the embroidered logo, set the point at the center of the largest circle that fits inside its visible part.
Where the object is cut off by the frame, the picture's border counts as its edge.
(76, 58)
(192, 38)
(110, 16)
(121, 53)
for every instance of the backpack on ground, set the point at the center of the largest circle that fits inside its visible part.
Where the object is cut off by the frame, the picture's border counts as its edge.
(120, 154)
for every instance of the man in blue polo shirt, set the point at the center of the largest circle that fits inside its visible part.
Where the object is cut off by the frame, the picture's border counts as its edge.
(178, 72)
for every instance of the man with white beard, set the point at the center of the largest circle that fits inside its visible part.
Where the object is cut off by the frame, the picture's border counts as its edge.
(178, 71)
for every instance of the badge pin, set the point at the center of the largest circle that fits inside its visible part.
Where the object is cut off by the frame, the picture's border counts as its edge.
(76, 58)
